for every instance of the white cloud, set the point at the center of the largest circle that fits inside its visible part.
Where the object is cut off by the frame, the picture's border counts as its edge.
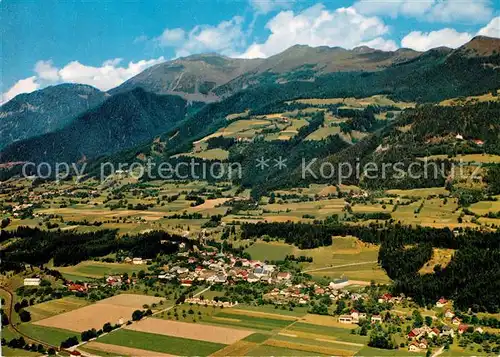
(476, 11)
(26, 85)
(423, 41)
(109, 75)
(266, 6)
(492, 29)
(380, 44)
(394, 8)
(223, 38)
(171, 37)
(45, 70)
(317, 26)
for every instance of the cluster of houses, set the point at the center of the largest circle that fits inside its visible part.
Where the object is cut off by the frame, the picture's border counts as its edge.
(355, 317)
(205, 302)
(115, 281)
(136, 261)
(220, 268)
(301, 293)
(290, 294)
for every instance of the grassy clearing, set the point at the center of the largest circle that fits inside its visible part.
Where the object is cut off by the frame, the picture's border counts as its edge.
(435, 212)
(365, 273)
(323, 133)
(440, 256)
(161, 343)
(484, 207)
(488, 97)
(92, 269)
(210, 154)
(382, 100)
(269, 251)
(50, 335)
(471, 158)
(420, 192)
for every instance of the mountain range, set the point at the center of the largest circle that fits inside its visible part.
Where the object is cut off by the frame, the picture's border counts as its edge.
(43, 111)
(211, 77)
(181, 101)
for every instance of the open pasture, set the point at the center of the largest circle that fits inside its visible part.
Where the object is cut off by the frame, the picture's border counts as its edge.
(440, 256)
(92, 269)
(363, 273)
(320, 209)
(269, 251)
(434, 212)
(381, 100)
(323, 133)
(483, 207)
(116, 309)
(420, 192)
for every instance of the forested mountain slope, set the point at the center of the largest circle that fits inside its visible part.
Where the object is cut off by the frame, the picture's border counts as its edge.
(45, 110)
(123, 121)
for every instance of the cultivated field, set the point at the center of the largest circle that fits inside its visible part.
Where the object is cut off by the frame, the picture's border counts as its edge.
(381, 100)
(199, 332)
(116, 309)
(55, 307)
(161, 343)
(115, 350)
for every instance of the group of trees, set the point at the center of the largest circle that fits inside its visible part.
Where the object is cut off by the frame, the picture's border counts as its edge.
(20, 343)
(37, 247)
(93, 333)
(305, 235)
(69, 342)
(139, 314)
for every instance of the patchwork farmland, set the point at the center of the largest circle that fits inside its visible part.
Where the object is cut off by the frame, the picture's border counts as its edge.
(115, 310)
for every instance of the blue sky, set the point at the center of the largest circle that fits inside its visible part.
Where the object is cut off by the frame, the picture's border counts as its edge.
(103, 43)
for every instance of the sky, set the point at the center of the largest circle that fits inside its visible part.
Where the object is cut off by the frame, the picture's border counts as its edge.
(104, 43)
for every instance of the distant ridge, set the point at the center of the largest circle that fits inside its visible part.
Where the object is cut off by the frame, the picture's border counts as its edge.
(45, 110)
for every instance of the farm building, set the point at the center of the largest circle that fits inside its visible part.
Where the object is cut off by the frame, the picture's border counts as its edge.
(32, 281)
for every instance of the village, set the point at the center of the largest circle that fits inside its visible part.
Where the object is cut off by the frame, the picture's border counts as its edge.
(345, 302)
